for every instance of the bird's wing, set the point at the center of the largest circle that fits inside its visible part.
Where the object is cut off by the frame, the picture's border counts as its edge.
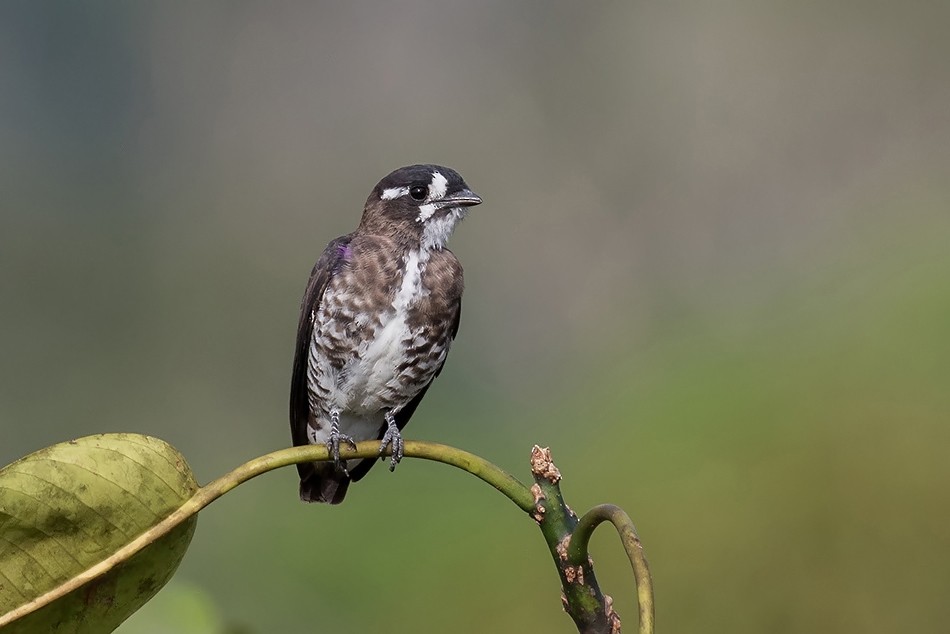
(323, 271)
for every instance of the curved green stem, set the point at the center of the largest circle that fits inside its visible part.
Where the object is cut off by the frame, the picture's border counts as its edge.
(577, 550)
(477, 466)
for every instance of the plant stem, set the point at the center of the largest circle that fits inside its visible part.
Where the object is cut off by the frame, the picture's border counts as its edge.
(631, 544)
(476, 465)
(581, 596)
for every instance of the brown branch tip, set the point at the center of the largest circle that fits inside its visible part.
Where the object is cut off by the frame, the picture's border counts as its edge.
(542, 465)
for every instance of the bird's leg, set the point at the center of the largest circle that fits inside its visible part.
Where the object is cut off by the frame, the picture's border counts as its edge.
(333, 442)
(393, 437)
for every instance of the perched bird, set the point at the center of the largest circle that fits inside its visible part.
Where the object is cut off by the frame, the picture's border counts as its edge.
(376, 321)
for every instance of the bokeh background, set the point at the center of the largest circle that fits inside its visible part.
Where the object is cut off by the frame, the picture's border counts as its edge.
(712, 272)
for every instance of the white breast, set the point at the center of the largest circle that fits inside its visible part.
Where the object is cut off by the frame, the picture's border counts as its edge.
(371, 377)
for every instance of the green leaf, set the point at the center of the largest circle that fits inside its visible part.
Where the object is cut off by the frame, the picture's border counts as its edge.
(67, 509)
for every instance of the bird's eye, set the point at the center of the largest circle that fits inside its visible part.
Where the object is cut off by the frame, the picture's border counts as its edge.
(418, 192)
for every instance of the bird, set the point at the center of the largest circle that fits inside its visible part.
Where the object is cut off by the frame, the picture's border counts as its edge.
(378, 316)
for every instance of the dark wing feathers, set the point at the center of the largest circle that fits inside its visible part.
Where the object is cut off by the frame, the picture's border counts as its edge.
(323, 271)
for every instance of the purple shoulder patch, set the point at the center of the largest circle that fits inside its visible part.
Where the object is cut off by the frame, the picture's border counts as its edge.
(345, 251)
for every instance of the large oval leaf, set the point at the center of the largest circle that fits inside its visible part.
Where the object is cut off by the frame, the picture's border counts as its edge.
(69, 507)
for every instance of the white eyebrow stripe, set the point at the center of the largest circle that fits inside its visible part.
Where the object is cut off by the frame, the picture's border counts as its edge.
(438, 186)
(394, 192)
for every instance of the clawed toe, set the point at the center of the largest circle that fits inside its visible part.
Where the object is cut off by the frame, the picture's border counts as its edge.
(333, 446)
(394, 438)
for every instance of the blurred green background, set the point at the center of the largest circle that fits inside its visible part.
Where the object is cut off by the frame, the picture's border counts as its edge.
(712, 272)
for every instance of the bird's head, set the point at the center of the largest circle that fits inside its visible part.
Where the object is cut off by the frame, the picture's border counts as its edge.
(418, 202)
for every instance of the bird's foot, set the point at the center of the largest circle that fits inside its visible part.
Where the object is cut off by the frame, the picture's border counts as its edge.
(394, 438)
(334, 441)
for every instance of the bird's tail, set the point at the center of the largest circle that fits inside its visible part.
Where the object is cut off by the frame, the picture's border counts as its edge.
(322, 482)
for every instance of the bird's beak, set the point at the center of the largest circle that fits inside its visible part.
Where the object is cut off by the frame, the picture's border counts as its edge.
(462, 198)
